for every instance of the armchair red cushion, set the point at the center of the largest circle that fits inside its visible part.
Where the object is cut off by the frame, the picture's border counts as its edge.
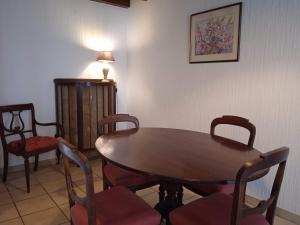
(117, 206)
(35, 144)
(119, 176)
(212, 210)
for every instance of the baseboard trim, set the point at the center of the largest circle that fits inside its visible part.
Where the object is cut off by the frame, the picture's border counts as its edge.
(294, 218)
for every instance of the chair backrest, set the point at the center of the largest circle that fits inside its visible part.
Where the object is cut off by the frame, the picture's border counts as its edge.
(250, 170)
(236, 121)
(17, 125)
(69, 153)
(108, 124)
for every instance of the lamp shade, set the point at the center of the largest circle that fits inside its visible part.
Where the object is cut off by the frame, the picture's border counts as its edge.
(105, 56)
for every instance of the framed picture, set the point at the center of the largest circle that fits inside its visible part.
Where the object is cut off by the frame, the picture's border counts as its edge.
(215, 34)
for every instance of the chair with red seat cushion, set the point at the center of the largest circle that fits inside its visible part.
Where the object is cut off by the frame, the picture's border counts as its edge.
(118, 176)
(12, 124)
(116, 206)
(207, 189)
(34, 144)
(114, 175)
(222, 209)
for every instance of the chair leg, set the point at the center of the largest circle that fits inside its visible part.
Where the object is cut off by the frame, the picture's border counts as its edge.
(180, 196)
(105, 184)
(36, 162)
(244, 191)
(58, 156)
(26, 163)
(5, 168)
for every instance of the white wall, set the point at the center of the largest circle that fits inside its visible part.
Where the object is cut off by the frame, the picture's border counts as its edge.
(45, 39)
(165, 90)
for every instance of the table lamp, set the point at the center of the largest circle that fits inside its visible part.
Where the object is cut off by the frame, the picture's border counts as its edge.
(105, 57)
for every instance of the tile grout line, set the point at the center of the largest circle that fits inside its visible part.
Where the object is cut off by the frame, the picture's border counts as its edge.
(40, 184)
(32, 198)
(48, 193)
(15, 205)
(13, 201)
(57, 206)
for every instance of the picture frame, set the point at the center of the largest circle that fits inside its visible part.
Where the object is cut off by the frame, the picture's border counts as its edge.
(215, 35)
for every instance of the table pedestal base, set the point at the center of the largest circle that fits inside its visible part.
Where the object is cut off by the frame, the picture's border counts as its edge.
(170, 197)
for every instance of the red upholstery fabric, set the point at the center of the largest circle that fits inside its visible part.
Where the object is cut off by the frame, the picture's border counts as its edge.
(212, 210)
(213, 188)
(119, 176)
(34, 145)
(117, 206)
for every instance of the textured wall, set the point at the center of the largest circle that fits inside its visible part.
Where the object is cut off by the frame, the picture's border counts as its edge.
(166, 91)
(45, 39)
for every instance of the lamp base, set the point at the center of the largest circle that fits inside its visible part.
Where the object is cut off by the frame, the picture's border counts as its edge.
(105, 73)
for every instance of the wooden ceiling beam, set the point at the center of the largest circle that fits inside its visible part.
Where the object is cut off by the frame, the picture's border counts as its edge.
(120, 3)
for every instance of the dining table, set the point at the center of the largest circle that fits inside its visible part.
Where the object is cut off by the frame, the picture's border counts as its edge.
(176, 157)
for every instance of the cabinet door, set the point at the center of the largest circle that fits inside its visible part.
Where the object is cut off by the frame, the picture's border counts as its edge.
(97, 102)
(106, 99)
(86, 117)
(67, 111)
(79, 108)
(73, 115)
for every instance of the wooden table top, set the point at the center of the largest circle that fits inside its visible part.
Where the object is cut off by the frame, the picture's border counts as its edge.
(181, 155)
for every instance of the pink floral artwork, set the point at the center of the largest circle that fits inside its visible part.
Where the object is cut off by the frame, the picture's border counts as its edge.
(214, 35)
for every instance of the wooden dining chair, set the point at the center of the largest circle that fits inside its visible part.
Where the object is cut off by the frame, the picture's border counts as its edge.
(115, 206)
(223, 209)
(114, 175)
(28, 143)
(207, 189)
(235, 121)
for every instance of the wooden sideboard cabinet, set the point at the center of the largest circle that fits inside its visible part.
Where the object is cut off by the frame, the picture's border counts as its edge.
(80, 104)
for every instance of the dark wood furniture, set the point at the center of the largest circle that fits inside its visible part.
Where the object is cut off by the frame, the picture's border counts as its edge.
(114, 175)
(121, 3)
(176, 157)
(235, 121)
(207, 189)
(12, 124)
(109, 123)
(114, 206)
(80, 104)
(224, 209)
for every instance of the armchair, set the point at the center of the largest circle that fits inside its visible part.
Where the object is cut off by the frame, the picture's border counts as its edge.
(26, 145)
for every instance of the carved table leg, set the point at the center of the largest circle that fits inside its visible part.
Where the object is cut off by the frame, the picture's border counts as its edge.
(170, 197)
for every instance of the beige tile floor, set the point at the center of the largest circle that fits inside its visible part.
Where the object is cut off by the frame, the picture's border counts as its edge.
(47, 204)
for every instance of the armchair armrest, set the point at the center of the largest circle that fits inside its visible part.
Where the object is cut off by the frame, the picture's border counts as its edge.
(59, 127)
